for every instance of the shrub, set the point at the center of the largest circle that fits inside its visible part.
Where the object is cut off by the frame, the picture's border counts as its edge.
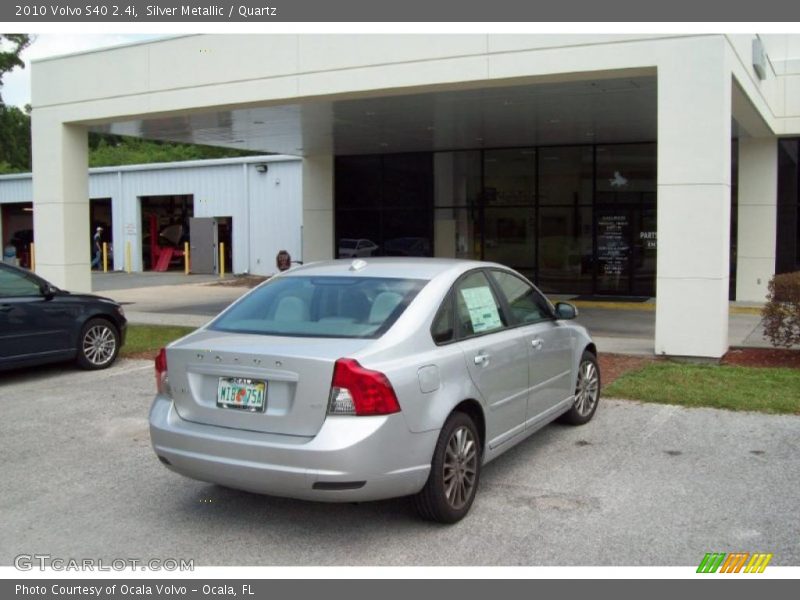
(782, 311)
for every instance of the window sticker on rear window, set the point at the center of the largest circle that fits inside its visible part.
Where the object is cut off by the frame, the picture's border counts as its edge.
(482, 308)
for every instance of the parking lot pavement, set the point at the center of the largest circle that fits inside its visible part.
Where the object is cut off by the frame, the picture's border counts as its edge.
(119, 280)
(639, 485)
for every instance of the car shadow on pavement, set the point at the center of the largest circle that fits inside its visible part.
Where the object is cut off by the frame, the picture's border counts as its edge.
(273, 506)
(26, 374)
(231, 510)
(46, 373)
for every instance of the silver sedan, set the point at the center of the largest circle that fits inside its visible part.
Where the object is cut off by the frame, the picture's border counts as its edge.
(368, 379)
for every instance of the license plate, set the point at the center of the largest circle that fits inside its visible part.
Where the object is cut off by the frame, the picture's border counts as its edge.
(241, 393)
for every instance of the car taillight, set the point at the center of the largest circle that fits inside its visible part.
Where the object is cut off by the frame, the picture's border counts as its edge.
(359, 391)
(162, 379)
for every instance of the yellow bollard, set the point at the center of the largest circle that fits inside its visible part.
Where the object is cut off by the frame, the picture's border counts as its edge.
(105, 257)
(222, 259)
(127, 257)
(33, 256)
(185, 258)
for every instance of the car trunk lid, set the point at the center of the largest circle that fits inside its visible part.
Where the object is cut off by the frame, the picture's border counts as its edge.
(297, 372)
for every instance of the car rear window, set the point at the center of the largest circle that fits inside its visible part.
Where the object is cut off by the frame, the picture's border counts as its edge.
(341, 307)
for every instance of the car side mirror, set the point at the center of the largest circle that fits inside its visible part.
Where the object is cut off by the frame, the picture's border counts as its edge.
(47, 291)
(565, 310)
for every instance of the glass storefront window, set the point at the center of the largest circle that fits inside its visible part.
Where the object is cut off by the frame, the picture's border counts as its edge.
(574, 219)
(510, 238)
(407, 233)
(626, 174)
(509, 195)
(457, 186)
(457, 178)
(357, 233)
(383, 205)
(788, 233)
(358, 182)
(565, 219)
(457, 233)
(407, 181)
(509, 177)
(565, 249)
(565, 176)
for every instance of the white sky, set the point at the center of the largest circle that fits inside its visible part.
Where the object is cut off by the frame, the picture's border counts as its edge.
(16, 88)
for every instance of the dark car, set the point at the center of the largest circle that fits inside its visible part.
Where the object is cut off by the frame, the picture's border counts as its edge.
(40, 323)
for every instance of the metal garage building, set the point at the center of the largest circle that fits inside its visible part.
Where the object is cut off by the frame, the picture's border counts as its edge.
(256, 199)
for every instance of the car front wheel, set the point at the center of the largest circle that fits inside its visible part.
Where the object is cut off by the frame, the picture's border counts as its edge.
(98, 344)
(455, 470)
(587, 391)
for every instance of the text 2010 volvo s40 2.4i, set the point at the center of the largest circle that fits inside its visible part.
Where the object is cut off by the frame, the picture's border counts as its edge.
(349, 381)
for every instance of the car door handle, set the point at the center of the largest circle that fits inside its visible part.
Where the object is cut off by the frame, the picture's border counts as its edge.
(5, 307)
(537, 344)
(481, 359)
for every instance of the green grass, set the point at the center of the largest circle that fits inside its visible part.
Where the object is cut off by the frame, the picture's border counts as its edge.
(729, 387)
(143, 339)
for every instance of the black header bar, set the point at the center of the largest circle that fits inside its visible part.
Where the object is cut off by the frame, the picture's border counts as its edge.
(443, 11)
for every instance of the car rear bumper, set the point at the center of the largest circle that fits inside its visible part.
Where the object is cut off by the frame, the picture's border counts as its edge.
(350, 459)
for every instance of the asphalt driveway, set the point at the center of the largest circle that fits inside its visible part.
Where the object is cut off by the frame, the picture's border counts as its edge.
(639, 485)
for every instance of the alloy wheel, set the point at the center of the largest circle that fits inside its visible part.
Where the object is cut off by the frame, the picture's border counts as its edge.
(588, 388)
(99, 344)
(460, 467)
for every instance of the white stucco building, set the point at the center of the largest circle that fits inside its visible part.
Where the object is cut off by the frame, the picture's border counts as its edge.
(596, 164)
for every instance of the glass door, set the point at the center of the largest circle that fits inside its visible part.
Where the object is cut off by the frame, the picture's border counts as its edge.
(613, 232)
(626, 251)
(625, 219)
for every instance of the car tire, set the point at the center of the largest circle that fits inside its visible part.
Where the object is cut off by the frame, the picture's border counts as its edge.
(98, 344)
(587, 391)
(455, 471)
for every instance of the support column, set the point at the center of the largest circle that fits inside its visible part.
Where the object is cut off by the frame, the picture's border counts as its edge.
(758, 206)
(694, 195)
(318, 208)
(61, 202)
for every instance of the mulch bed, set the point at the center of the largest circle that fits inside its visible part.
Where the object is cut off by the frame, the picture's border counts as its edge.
(762, 357)
(612, 366)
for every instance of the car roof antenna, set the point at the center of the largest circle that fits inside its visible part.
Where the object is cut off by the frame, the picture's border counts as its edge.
(358, 264)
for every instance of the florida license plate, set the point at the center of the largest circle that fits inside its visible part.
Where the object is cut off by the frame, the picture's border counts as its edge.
(242, 393)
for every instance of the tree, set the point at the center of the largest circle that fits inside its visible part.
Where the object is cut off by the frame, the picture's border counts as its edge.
(15, 140)
(11, 45)
(15, 124)
(113, 150)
